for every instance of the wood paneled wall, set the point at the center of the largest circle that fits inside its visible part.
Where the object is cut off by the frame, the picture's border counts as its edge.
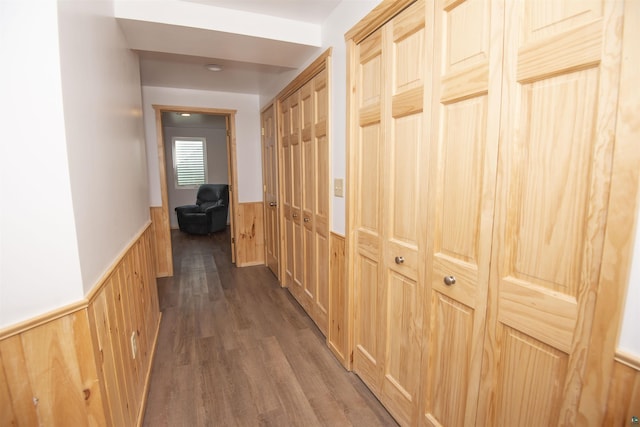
(49, 377)
(337, 333)
(76, 366)
(624, 396)
(161, 241)
(249, 232)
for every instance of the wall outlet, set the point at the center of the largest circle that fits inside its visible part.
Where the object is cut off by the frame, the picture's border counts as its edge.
(338, 187)
(134, 344)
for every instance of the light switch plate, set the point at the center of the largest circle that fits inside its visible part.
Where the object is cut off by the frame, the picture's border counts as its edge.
(338, 187)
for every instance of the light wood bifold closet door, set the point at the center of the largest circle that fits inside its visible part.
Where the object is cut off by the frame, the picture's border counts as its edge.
(480, 163)
(559, 101)
(389, 165)
(270, 189)
(305, 157)
(462, 174)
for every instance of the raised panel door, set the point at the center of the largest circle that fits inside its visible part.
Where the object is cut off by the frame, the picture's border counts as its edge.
(367, 151)
(403, 211)
(270, 187)
(389, 155)
(287, 192)
(561, 64)
(321, 204)
(308, 197)
(464, 143)
(297, 286)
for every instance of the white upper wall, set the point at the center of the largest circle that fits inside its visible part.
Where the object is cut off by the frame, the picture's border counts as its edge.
(343, 18)
(346, 15)
(84, 194)
(248, 149)
(105, 137)
(39, 261)
(187, 14)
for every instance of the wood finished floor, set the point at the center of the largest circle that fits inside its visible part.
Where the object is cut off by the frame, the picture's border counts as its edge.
(235, 349)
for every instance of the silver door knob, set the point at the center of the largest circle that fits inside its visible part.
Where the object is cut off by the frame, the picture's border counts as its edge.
(295, 215)
(399, 260)
(273, 204)
(449, 280)
(306, 219)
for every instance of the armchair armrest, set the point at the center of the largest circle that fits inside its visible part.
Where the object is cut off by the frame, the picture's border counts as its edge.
(211, 206)
(188, 209)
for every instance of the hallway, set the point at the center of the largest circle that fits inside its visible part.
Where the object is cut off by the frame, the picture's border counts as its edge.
(235, 349)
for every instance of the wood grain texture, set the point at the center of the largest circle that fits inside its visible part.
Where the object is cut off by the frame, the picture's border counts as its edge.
(624, 396)
(127, 306)
(618, 244)
(375, 19)
(304, 188)
(249, 234)
(557, 126)
(338, 332)
(235, 349)
(161, 238)
(50, 375)
(77, 368)
(270, 189)
(387, 165)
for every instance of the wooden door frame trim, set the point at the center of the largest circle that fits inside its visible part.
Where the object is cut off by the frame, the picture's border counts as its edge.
(230, 116)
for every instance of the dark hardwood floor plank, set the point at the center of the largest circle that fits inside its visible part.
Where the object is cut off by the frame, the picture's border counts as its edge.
(236, 349)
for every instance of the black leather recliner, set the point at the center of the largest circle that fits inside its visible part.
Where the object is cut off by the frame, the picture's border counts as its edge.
(209, 214)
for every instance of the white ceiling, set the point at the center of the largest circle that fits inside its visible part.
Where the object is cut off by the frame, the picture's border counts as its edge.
(314, 11)
(254, 41)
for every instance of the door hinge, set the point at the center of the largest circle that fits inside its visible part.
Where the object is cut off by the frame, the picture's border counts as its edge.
(233, 240)
(228, 133)
(262, 131)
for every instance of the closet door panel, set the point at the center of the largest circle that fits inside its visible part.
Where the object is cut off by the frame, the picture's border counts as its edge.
(287, 200)
(321, 202)
(464, 140)
(368, 150)
(368, 303)
(297, 288)
(308, 196)
(405, 175)
(296, 216)
(270, 178)
(560, 95)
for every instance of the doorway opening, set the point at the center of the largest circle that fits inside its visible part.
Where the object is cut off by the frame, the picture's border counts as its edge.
(216, 129)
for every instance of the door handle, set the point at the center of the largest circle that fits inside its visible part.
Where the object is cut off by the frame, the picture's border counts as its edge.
(295, 215)
(399, 260)
(449, 280)
(273, 204)
(306, 219)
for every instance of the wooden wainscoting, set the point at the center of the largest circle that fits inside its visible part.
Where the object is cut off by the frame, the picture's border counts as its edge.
(337, 334)
(161, 240)
(75, 366)
(49, 377)
(249, 234)
(624, 396)
(126, 309)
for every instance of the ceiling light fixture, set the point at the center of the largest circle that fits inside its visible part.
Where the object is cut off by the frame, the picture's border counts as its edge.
(213, 67)
(185, 114)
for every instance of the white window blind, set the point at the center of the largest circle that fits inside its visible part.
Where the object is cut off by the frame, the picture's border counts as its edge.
(189, 161)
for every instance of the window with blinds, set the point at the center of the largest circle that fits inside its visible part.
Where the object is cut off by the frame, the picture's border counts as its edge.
(189, 161)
